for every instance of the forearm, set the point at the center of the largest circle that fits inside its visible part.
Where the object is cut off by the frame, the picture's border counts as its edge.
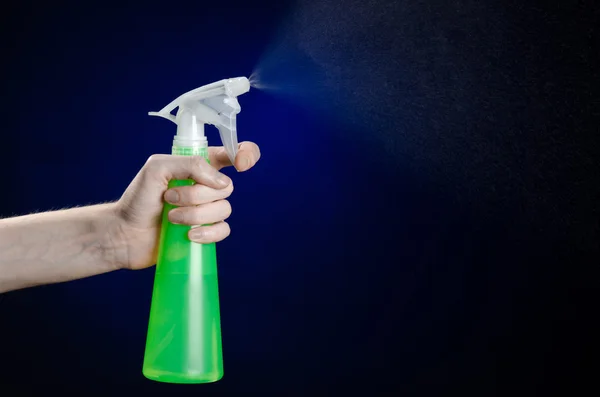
(56, 246)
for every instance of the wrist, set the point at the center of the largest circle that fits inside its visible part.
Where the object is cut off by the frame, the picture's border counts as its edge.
(113, 246)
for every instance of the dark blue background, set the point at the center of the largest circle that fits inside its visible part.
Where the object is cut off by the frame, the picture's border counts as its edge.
(450, 263)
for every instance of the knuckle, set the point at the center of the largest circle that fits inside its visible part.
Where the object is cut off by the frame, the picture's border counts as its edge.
(224, 231)
(224, 193)
(154, 160)
(155, 165)
(227, 209)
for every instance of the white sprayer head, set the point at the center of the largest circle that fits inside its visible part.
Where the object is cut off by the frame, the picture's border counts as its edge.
(214, 104)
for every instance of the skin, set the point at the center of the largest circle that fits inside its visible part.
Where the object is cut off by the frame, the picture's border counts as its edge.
(65, 245)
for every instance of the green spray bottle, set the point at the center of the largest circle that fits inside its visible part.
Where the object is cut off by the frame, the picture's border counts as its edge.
(183, 344)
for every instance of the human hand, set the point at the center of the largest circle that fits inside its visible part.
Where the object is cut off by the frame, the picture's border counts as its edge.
(138, 212)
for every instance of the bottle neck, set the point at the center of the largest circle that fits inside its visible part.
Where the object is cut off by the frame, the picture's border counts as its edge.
(190, 147)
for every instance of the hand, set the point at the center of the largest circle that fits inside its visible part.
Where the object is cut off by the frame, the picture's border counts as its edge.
(140, 208)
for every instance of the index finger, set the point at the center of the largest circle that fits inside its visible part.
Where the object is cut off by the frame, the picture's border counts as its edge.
(247, 156)
(168, 167)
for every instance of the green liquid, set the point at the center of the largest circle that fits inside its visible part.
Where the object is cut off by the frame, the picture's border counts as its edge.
(184, 331)
(185, 342)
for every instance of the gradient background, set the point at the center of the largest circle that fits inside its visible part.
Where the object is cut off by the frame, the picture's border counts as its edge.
(422, 224)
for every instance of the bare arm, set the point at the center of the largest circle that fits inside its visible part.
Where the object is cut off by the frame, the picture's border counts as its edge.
(56, 246)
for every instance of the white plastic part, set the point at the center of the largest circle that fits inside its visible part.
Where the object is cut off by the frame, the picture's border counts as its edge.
(214, 104)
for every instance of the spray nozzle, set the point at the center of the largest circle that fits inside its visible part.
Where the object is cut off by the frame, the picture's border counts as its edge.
(214, 104)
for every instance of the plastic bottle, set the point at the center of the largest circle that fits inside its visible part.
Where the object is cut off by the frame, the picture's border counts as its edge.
(184, 331)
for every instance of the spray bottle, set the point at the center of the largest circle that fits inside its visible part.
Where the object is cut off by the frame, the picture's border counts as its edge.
(183, 344)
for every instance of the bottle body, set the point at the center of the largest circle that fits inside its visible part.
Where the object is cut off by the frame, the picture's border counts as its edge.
(184, 330)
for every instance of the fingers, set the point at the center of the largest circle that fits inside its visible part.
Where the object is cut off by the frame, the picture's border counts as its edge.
(214, 212)
(196, 194)
(247, 156)
(203, 203)
(168, 167)
(210, 215)
(210, 234)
